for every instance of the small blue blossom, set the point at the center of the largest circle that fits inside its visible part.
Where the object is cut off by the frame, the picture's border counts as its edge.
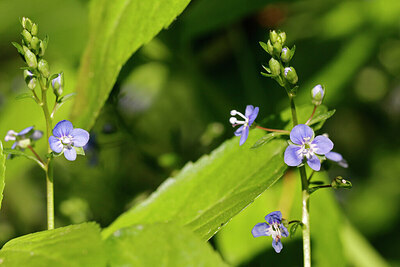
(273, 228)
(305, 146)
(249, 117)
(338, 158)
(65, 138)
(23, 138)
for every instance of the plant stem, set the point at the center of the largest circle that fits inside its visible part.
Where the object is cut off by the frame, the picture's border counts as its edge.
(36, 155)
(312, 115)
(305, 218)
(273, 130)
(49, 169)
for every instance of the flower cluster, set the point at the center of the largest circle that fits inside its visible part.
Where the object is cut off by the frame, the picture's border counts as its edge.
(66, 139)
(24, 138)
(249, 117)
(274, 228)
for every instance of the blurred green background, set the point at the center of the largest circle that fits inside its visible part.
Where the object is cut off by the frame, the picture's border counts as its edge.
(172, 99)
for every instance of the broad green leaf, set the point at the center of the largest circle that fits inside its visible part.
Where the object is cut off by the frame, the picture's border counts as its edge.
(75, 245)
(207, 194)
(117, 30)
(2, 172)
(16, 152)
(265, 139)
(160, 245)
(322, 117)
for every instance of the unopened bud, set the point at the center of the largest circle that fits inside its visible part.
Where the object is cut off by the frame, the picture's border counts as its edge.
(275, 67)
(26, 37)
(30, 57)
(282, 35)
(317, 94)
(30, 79)
(35, 43)
(43, 67)
(273, 36)
(277, 49)
(58, 84)
(35, 29)
(270, 48)
(291, 75)
(26, 24)
(340, 182)
(286, 54)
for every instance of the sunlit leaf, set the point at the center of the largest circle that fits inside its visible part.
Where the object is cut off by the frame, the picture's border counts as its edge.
(2, 172)
(160, 245)
(117, 30)
(76, 245)
(16, 152)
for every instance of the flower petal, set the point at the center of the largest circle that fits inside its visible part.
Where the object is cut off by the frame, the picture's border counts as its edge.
(301, 133)
(275, 216)
(36, 135)
(245, 134)
(277, 245)
(323, 144)
(249, 110)
(292, 157)
(55, 144)
(284, 231)
(238, 132)
(80, 137)
(253, 116)
(62, 128)
(314, 163)
(338, 158)
(25, 131)
(261, 229)
(70, 154)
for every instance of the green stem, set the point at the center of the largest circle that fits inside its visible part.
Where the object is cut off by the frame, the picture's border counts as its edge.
(305, 218)
(49, 169)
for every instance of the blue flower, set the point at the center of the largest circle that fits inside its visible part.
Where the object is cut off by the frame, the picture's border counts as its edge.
(65, 138)
(24, 138)
(249, 117)
(338, 158)
(273, 228)
(305, 146)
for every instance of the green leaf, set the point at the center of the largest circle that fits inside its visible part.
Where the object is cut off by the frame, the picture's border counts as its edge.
(16, 152)
(160, 245)
(80, 151)
(2, 172)
(293, 228)
(265, 139)
(75, 245)
(67, 97)
(207, 194)
(24, 96)
(322, 117)
(117, 30)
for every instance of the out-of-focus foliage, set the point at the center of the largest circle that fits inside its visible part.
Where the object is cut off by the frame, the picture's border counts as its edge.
(170, 105)
(2, 171)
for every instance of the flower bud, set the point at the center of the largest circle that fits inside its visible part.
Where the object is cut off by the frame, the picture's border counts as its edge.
(340, 182)
(30, 79)
(275, 67)
(286, 54)
(26, 24)
(43, 67)
(30, 58)
(58, 84)
(277, 49)
(273, 36)
(317, 94)
(42, 48)
(270, 48)
(26, 37)
(35, 43)
(282, 35)
(291, 75)
(35, 29)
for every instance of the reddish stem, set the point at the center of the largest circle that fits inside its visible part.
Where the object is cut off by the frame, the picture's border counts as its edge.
(36, 155)
(272, 130)
(312, 114)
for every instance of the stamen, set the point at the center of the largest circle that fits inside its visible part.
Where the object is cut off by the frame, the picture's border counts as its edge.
(232, 120)
(233, 112)
(243, 116)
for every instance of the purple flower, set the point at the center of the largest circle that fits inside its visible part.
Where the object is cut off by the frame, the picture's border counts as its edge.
(305, 146)
(66, 138)
(24, 138)
(273, 228)
(338, 158)
(249, 117)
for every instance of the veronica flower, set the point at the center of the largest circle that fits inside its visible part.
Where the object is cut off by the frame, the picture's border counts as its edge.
(338, 158)
(66, 138)
(273, 228)
(23, 138)
(305, 147)
(249, 117)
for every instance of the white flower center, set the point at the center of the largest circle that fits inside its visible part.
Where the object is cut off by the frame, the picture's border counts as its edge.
(275, 231)
(307, 148)
(66, 140)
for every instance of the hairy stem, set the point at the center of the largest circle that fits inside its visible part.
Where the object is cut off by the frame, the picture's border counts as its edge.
(305, 218)
(49, 169)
